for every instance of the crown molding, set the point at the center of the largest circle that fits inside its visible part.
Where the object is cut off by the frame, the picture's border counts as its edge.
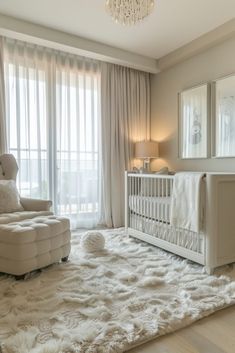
(52, 38)
(41, 35)
(197, 46)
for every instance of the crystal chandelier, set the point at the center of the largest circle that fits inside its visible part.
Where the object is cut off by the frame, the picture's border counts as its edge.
(129, 12)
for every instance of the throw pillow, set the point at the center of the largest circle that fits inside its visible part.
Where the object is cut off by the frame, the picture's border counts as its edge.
(9, 197)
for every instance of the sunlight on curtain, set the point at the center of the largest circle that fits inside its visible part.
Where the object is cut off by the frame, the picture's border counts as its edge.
(78, 116)
(27, 117)
(3, 130)
(53, 124)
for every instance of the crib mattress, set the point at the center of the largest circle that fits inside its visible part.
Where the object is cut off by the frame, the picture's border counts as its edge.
(156, 208)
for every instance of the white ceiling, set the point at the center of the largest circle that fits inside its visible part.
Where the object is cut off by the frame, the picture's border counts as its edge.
(173, 23)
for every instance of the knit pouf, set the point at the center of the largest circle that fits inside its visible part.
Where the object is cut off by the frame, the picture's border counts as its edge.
(92, 241)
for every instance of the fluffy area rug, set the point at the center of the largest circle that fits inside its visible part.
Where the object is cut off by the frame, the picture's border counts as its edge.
(108, 302)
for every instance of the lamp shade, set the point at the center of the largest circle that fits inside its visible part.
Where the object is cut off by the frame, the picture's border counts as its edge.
(146, 149)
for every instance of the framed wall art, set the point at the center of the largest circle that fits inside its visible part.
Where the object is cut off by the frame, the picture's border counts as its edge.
(194, 111)
(223, 124)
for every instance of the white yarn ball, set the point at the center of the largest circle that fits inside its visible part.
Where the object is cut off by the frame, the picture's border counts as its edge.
(92, 241)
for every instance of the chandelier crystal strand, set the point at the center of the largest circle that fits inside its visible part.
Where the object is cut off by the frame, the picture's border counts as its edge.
(129, 12)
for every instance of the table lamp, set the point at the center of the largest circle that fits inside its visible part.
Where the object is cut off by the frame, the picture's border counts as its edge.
(146, 150)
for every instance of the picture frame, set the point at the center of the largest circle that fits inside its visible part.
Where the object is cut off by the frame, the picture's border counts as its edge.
(194, 129)
(223, 111)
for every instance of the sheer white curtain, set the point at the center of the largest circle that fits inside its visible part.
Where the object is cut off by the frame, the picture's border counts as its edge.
(125, 109)
(26, 112)
(3, 137)
(77, 131)
(53, 126)
(67, 147)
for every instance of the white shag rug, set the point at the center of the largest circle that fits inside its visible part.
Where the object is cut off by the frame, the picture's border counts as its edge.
(109, 301)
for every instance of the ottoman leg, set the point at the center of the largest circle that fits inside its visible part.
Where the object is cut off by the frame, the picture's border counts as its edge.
(65, 259)
(20, 277)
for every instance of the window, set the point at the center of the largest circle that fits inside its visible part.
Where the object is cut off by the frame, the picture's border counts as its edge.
(53, 114)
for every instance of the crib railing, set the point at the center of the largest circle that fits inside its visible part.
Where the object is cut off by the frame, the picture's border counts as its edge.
(147, 215)
(142, 192)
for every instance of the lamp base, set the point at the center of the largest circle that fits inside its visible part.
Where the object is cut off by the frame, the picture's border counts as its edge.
(146, 165)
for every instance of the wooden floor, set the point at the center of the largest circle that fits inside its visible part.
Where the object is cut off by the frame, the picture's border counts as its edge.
(214, 334)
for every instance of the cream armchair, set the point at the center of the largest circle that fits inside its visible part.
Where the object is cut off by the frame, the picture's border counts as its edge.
(33, 237)
(8, 171)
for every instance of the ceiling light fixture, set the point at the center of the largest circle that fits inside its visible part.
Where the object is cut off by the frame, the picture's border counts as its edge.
(129, 12)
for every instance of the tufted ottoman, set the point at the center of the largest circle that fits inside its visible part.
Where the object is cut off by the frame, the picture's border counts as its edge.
(33, 243)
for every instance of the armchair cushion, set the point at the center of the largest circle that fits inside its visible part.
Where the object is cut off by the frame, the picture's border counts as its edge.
(6, 218)
(9, 197)
(35, 204)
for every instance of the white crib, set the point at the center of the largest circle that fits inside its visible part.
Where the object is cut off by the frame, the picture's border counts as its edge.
(147, 215)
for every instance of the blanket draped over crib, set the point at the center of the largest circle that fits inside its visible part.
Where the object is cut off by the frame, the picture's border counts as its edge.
(186, 201)
(186, 214)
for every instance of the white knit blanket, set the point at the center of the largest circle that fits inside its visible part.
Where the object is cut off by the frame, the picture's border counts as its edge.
(186, 201)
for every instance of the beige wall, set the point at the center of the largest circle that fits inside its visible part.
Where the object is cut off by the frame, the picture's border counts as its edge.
(209, 65)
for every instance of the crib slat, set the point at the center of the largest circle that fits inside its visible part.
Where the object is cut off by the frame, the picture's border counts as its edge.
(149, 209)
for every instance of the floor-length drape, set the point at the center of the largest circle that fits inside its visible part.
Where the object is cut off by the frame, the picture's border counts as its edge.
(78, 131)
(53, 125)
(3, 134)
(125, 118)
(27, 115)
(72, 123)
